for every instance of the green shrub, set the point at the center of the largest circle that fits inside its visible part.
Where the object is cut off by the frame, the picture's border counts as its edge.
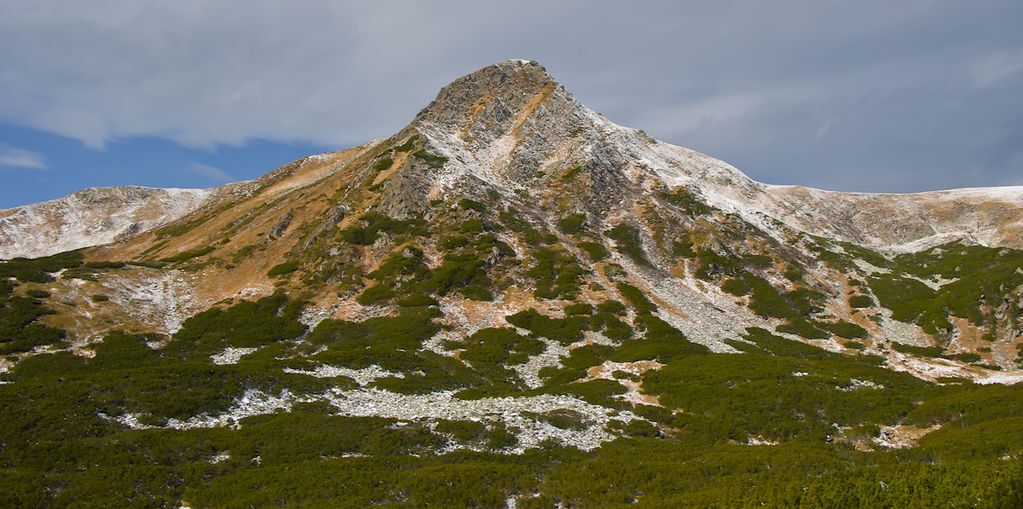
(627, 242)
(557, 275)
(188, 255)
(636, 297)
(408, 145)
(431, 160)
(923, 351)
(572, 223)
(683, 247)
(472, 227)
(802, 328)
(490, 351)
(455, 272)
(684, 199)
(38, 270)
(467, 204)
(383, 164)
(565, 330)
(594, 250)
(564, 419)
(20, 330)
(844, 329)
(711, 264)
(463, 431)
(245, 324)
(530, 235)
(861, 301)
(376, 294)
(581, 308)
(637, 428)
(376, 224)
(611, 306)
(283, 269)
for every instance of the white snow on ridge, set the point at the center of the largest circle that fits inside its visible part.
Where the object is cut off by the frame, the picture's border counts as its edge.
(899, 222)
(92, 217)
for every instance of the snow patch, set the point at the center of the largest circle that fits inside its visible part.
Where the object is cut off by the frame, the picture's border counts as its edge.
(231, 355)
(220, 457)
(529, 371)
(363, 377)
(531, 433)
(160, 298)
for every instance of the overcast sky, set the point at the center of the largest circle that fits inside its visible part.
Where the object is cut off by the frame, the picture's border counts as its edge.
(900, 96)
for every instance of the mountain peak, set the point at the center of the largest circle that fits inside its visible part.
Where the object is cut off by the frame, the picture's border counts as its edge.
(491, 96)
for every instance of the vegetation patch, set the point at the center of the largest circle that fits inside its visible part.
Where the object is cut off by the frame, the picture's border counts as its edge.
(635, 296)
(377, 224)
(188, 255)
(627, 242)
(283, 269)
(687, 201)
(861, 301)
(39, 270)
(594, 250)
(572, 223)
(383, 164)
(564, 330)
(408, 145)
(980, 279)
(557, 274)
(467, 204)
(431, 160)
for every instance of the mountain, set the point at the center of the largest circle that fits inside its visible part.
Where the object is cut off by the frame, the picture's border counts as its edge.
(92, 217)
(514, 301)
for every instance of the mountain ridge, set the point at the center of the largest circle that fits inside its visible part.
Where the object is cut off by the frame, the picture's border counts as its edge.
(509, 137)
(514, 302)
(464, 116)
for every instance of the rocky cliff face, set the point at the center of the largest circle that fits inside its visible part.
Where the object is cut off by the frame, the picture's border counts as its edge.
(505, 124)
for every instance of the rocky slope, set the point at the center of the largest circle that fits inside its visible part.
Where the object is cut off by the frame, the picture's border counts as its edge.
(517, 290)
(92, 217)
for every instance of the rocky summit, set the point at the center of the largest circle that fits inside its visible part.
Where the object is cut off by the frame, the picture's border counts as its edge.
(512, 302)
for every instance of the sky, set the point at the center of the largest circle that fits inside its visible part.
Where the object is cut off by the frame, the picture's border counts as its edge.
(875, 96)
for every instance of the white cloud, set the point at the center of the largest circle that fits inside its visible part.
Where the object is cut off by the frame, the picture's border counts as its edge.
(996, 67)
(12, 157)
(211, 173)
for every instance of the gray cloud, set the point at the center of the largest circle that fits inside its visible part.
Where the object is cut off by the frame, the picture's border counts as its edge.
(871, 95)
(13, 157)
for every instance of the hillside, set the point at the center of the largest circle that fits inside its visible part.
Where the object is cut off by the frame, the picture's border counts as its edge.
(92, 217)
(514, 301)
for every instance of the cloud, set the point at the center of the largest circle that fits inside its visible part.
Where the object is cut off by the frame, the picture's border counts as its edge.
(12, 157)
(997, 67)
(914, 93)
(210, 173)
